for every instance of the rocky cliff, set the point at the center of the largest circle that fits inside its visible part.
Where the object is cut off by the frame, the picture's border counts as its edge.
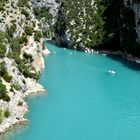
(81, 24)
(24, 24)
(130, 27)
(110, 25)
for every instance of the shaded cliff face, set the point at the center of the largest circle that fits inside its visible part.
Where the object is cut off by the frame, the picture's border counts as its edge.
(130, 27)
(108, 24)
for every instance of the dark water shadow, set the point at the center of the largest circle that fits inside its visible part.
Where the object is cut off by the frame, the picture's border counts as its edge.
(127, 63)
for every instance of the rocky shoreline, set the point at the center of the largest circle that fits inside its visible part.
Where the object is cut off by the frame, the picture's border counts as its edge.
(18, 111)
(22, 54)
(128, 57)
(17, 105)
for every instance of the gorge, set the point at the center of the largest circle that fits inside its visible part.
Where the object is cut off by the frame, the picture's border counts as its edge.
(110, 25)
(93, 26)
(83, 101)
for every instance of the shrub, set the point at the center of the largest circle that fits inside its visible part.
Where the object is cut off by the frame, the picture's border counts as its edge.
(6, 98)
(20, 103)
(1, 7)
(2, 46)
(41, 12)
(2, 4)
(2, 50)
(26, 70)
(2, 68)
(26, 13)
(28, 30)
(27, 73)
(7, 113)
(2, 36)
(22, 3)
(24, 82)
(28, 56)
(15, 45)
(1, 116)
(16, 57)
(13, 21)
(2, 90)
(7, 78)
(22, 39)
(11, 30)
(16, 86)
(3, 93)
(22, 67)
(12, 89)
(37, 36)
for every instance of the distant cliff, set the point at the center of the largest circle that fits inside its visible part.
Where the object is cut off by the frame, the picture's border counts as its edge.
(99, 24)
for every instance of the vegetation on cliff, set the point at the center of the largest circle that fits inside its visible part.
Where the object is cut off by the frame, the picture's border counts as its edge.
(18, 17)
(21, 54)
(99, 24)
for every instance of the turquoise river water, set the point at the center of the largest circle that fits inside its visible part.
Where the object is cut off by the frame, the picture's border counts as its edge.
(83, 100)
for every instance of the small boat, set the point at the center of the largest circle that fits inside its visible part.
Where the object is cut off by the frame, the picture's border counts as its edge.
(111, 71)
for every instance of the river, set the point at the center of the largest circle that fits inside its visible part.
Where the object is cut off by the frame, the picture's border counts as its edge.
(83, 100)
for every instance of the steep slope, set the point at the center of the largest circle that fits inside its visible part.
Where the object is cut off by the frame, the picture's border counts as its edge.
(82, 22)
(130, 27)
(111, 25)
(24, 25)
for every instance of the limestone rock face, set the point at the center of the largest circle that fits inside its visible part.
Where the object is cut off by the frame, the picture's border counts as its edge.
(108, 24)
(51, 4)
(22, 54)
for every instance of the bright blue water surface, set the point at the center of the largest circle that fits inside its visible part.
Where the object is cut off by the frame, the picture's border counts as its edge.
(84, 102)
